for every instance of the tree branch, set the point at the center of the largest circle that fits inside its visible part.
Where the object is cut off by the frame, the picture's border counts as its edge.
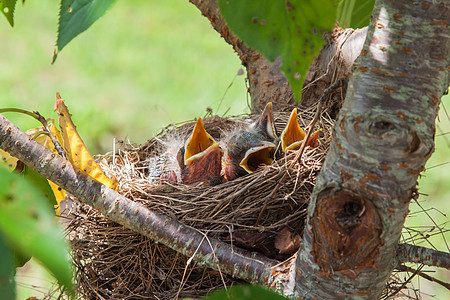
(266, 82)
(334, 61)
(422, 255)
(403, 268)
(252, 267)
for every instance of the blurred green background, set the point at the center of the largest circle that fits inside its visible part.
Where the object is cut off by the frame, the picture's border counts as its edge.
(144, 65)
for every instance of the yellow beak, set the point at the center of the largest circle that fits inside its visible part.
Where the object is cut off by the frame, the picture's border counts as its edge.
(257, 156)
(292, 136)
(197, 143)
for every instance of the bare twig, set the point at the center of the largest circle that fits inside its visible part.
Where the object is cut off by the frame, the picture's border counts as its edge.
(403, 268)
(404, 284)
(22, 111)
(54, 140)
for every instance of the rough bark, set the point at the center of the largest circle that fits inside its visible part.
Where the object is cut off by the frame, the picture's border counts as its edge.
(382, 139)
(422, 255)
(213, 253)
(335, 61)
(266, 82)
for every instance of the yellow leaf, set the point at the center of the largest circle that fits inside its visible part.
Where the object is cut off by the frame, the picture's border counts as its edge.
(60, 195)
(11, 162)
(8, 161)
(76, 151)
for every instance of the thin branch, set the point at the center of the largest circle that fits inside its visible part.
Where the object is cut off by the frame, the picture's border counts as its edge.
(210, 10)
(403, 268)
(432, 220)
(19, 110)
(53, 138)
(404, 284)
(422, 255)
(252, 267)
(266, 82)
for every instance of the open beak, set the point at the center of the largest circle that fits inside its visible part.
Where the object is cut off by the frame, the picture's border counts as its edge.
(265, 125)
(197, 143)
(292, 136)
(258, 156)
(246, 150)
(202, 158)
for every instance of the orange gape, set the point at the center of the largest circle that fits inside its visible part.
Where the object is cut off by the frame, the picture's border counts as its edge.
(247, 150)
(293, 136)
(201, 158)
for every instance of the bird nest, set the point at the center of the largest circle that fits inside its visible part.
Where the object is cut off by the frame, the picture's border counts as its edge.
(263, 211)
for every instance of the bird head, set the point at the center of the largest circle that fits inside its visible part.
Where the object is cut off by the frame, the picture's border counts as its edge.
(265, 125)
(246, 150)
(200, 158)
(292, 135)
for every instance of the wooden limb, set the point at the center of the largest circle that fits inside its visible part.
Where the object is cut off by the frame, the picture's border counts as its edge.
(403, 268)
(381, 142)
(266, 82)
(53, 138)
(252, 267)
(422, 255)
(334, 61)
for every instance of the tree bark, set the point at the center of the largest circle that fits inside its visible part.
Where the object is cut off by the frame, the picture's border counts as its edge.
(422, 255)
(382, 140)
(266, 82)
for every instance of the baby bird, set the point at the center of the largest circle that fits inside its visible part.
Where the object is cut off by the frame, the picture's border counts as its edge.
(293, 136)
(246, 150)
(200, 158)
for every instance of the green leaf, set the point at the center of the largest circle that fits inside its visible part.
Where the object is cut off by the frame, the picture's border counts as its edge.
(7, 7)
(75, 16)
(7, 268)
(245, 292)
(290, 29)
(41, 183)
(20, 259)
(28, 223)
(354, 14)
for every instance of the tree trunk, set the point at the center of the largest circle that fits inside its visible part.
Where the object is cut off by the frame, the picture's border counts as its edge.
(382, 140)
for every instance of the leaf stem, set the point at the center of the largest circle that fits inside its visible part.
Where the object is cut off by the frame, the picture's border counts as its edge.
(19, 110)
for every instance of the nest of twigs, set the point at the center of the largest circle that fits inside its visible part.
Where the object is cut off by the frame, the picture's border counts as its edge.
(113, 262)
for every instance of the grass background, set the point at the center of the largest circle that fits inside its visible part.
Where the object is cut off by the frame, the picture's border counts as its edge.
(144, 65)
